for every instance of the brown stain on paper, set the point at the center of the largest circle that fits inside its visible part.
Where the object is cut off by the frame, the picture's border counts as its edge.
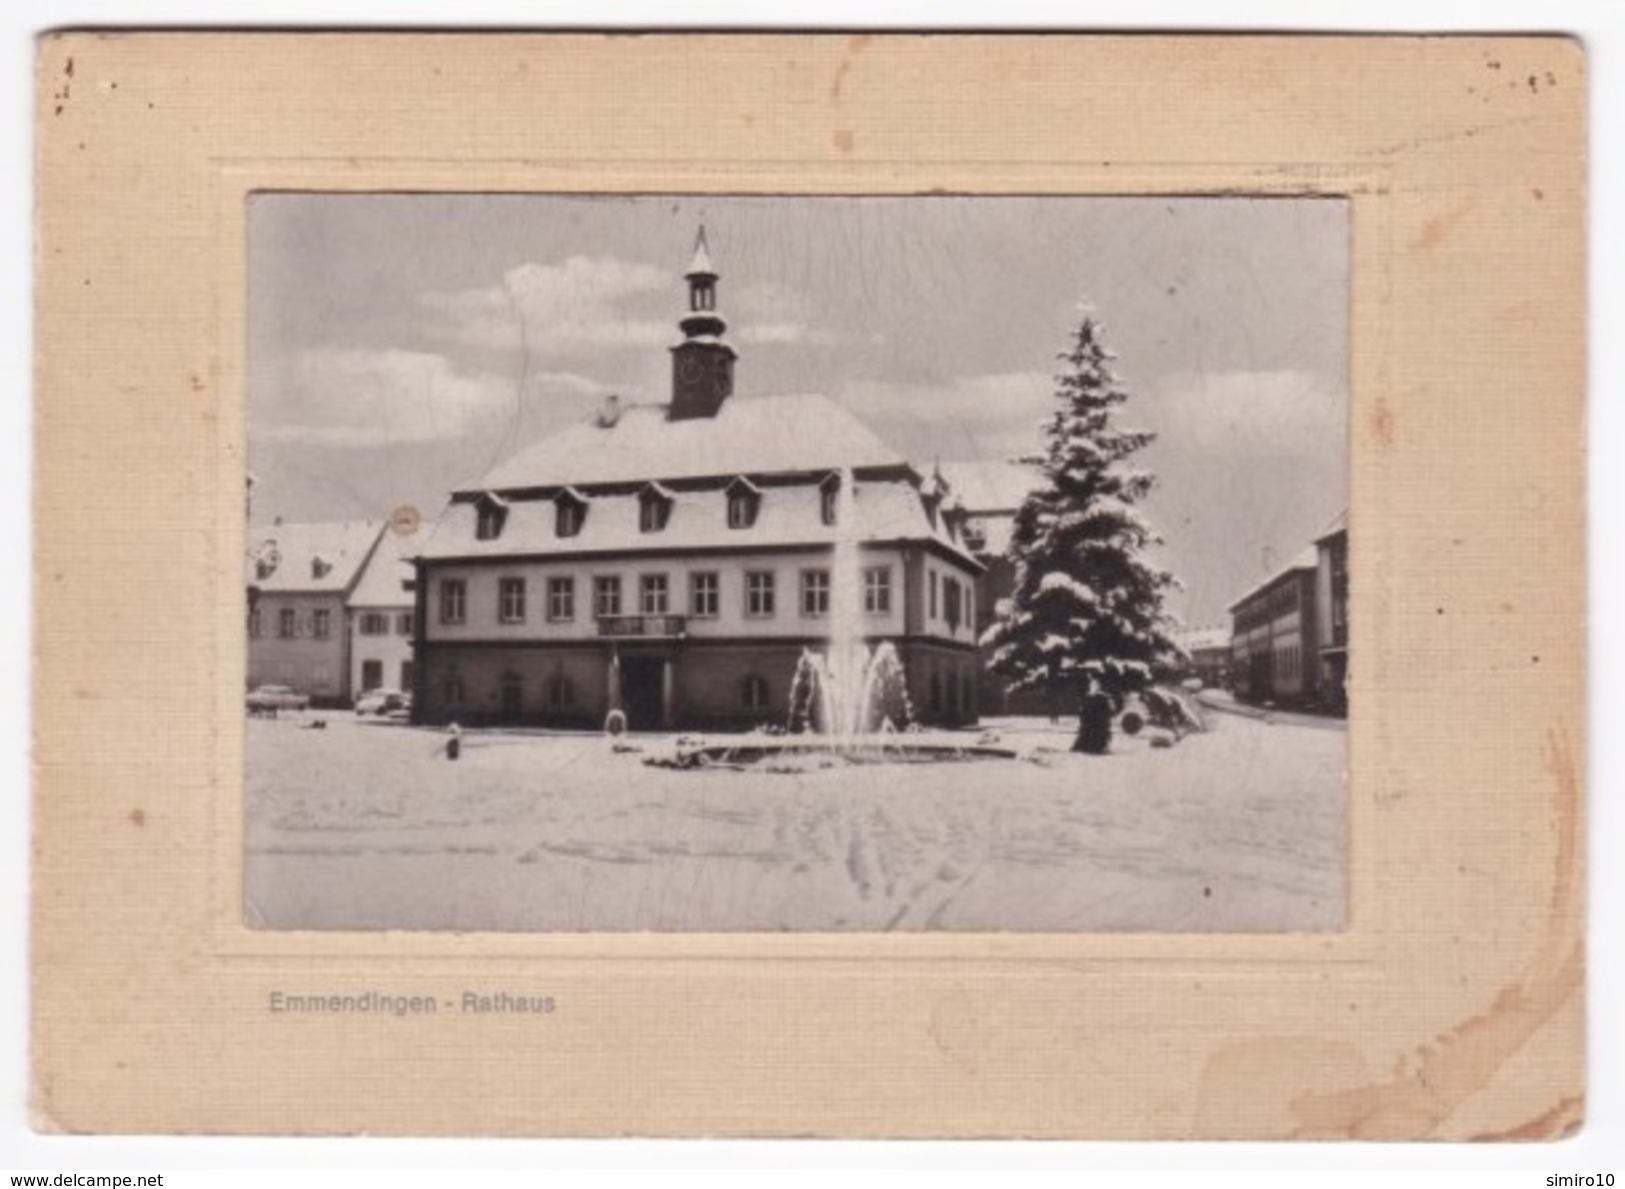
(1438, 228)
(1429, 1084)
(1382, 423)
(854, 46)
(1562, 1121)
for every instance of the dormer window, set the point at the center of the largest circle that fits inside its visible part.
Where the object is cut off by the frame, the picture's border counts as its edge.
(320, 567)
(490, 516)
(266, 560)
(932, 491)
(570, 513)
(654, 508)
(744, 502)
(829, 498)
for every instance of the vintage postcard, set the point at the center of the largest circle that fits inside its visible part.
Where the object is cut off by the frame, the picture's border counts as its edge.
(606, 551)
(803, 564)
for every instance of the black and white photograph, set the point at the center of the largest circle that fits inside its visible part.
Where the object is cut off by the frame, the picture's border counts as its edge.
(717, 563)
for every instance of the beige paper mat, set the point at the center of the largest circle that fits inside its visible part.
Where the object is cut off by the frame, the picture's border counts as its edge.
(1451, 1008)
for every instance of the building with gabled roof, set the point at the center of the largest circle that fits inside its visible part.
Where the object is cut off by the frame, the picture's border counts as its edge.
(299, 580)
(672, 560)
(381, 617)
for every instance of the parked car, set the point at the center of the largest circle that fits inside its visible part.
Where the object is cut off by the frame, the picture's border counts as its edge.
(383, 701)
(268, 699)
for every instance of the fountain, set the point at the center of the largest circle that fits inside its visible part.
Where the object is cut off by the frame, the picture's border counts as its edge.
(849, 704)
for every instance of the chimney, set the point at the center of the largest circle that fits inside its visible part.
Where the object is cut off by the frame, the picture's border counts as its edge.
(611, 412)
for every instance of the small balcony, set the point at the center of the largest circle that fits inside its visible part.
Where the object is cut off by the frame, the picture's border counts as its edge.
(642, 627)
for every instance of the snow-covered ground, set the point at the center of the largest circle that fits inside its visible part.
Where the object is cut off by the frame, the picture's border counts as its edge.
(366, 825)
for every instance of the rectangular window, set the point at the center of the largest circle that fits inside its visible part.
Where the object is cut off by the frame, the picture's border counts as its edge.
(453, 600)
(511, 600)
(815, 592)
(759, 593)
(254, 624)
(286, 623)
(374, 623)
(321, 624)
(606, 595)
(404, 624)
(950, 602)
(933, 611)
(561, 599)
(656, 591)
(704, 596)
(877, 590)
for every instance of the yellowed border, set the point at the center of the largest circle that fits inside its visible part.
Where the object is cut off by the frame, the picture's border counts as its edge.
(1451, 1008)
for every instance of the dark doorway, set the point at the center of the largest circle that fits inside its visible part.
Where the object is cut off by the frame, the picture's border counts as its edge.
(640, 691)
(372, 675)
(513, 699)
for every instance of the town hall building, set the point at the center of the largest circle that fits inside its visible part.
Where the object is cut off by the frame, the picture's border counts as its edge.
(673, 560)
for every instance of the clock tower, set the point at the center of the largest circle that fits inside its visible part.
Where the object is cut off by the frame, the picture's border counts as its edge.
(702, 365)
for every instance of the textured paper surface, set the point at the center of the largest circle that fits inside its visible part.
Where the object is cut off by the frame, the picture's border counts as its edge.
(1452, 1008)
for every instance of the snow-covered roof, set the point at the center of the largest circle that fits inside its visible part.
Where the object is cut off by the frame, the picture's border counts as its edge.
(991, 485)
(1339, 524)
(749, 435)
(1195, 639)
(384, 578)
(1306, 560)
(789, 516)
(309, 558)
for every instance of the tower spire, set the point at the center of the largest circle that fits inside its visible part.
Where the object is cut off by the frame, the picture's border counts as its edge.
(702, 364)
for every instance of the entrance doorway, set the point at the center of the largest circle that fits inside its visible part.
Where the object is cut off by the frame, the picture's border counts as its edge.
(641, 678)
(513, 699)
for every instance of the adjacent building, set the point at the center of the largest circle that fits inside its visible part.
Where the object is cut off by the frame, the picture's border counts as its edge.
(1332, 607)
(1209, 650)
(672, 560)
(382, 618)
(990, 493)
(300, 578)
(1290, 632)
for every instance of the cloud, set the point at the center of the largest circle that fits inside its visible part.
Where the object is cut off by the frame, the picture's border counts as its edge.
(571, 309)
(347, 396)
(773, 314)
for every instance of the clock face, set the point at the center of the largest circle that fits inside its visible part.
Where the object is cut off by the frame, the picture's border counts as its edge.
(690, 369)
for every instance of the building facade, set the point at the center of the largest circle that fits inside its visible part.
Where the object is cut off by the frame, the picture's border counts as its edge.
(1290, 633)
(674, 560)
(1332, 603)
(990, 494)
(382, 618)
(299, 581)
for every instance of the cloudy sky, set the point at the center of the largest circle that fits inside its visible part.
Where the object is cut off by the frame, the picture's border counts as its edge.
(400, 345)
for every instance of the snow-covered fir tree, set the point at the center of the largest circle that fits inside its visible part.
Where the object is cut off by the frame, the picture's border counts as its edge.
(1085, 621)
